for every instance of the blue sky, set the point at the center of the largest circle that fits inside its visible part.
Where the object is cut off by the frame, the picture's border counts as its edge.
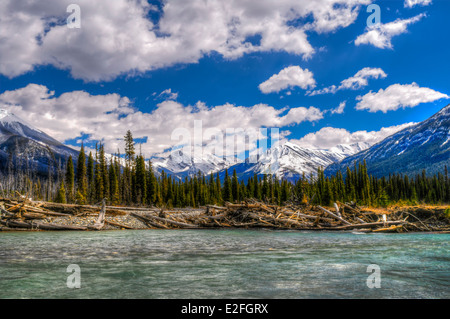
(200, 68)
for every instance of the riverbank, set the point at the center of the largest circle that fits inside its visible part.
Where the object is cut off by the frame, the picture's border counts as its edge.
(25, 214)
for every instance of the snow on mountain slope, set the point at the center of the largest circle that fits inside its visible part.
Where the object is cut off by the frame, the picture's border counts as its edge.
(27, 142)
(422, 146)
(288, 161)
(183, 165)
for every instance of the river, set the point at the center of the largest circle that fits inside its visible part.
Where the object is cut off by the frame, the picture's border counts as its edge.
(223, 264)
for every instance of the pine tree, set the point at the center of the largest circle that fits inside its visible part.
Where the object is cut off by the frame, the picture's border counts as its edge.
(227, 188)
(61, 196)
(128, 170)
(235, 186)
(81, 177)
(218, 189)
(129, 148)
(384, 199)
(113, 184)
(242, 191)
(70, 180)
(151, 184)
(265, 188)
(98, 178)
(447, 185)
(141, 181)
(284, 196)
(90, 177)
(104, 171)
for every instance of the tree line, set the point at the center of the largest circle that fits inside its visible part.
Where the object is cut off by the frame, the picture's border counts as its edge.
(128, 180)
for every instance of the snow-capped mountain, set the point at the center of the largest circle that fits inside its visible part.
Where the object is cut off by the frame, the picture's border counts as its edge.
(179, 164)
(286, 161)
(30, 144)
(425, 145)
(289, 161)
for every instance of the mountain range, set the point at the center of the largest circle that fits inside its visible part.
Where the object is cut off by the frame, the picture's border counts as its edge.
(31, 146)
(425, 145)
(286, 161)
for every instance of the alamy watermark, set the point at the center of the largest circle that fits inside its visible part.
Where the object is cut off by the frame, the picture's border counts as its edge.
(374, 279)
(74, 279)
(375, 18)
(234, 144)
(74, 19)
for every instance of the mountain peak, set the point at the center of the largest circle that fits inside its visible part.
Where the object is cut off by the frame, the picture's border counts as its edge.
(444, 111)
(424, 145)
(22, 139)
(4, 113)
(15, 123)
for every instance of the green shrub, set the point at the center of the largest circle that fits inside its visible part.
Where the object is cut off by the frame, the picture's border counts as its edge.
(447, 212)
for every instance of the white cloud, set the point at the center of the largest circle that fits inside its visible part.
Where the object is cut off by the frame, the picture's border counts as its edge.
(412, 3)
(380, 35)
(356, 82)
(328, 137)
(339, 109)
(398, 96)
(167, 94)
(360, 79)
(288, 78)
(116, 37)
(108, 117)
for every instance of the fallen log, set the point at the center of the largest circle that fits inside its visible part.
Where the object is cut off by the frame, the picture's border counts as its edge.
(388, 229)
(220, 216)
(74, 209)
(333, 215)
(419, 221)
(7, 213)
(169, 221)
(273, 219)
(43, 226)
(371, 225)
(336, 207)
(216, 207)
(147, 221)
(42, 211)
(118, 224)
(360, 220)
(245, 224)
(100, 223)
(55, 214)
(311, 217)
(33, 215)
(49, 226)
(16, 224)
(349, 207)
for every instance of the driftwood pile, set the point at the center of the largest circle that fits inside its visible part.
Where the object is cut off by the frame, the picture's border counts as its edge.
(29, 215)
(25, 214)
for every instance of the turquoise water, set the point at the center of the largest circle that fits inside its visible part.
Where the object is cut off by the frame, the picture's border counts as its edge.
(223, 264)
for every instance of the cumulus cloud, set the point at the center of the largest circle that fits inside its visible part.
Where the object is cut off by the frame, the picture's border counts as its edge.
(412, 3)
(380, 35)
(339, 109)
(356, 82)
(398, 96)
(107, 117)
(360, 79)
(328, 137)
(288, 78)
(118, 37)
